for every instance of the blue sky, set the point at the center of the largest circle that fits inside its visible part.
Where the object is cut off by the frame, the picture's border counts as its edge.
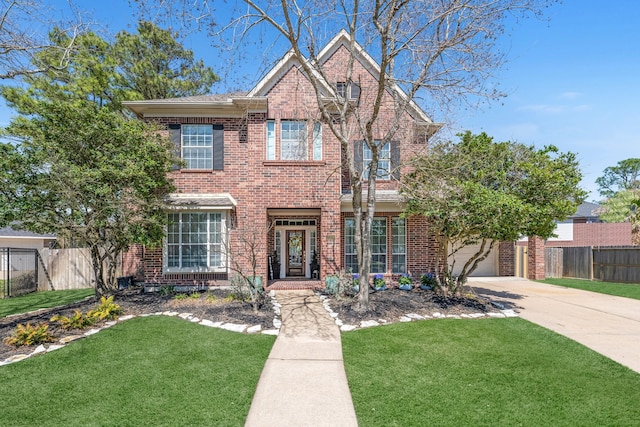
(573, 81)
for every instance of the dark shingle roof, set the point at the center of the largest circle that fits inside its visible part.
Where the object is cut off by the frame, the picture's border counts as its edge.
(586, 210)
(10, 232)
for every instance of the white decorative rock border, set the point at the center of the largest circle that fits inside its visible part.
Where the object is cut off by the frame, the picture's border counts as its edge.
(233, 327)
(409, 317)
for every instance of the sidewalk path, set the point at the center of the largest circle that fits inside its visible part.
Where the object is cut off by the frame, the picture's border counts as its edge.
(303, 382)
(607, 324)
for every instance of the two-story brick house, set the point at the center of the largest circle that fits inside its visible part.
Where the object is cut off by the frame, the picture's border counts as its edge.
(263, 174)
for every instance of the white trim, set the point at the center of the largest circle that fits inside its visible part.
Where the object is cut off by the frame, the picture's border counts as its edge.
(224, 233)
(307, 248)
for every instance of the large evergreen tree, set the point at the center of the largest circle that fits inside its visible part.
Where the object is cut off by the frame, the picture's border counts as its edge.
(77, 165)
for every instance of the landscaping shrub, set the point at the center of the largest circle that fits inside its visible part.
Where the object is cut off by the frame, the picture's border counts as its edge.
(30, 335)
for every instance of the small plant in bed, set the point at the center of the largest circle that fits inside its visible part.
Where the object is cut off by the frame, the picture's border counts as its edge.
(427, 281)
(405, 282)
(379, 283)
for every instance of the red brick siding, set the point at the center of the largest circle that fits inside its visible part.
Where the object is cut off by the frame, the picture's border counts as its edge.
(535, 258)
(597, 234)
(132, 264)
(506, 259)
(259, 185)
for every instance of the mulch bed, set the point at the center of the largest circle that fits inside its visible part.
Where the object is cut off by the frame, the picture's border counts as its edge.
(135, 302)
(389, 305)
(392, 304)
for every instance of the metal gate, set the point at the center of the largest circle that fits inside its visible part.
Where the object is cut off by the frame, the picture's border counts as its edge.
(18, 271)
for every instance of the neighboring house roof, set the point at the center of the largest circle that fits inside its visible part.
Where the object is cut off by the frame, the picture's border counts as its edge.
(23, 234)
(586, 210)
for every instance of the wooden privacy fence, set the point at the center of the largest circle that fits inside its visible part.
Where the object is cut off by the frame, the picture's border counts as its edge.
(66, 269)
(608, 264)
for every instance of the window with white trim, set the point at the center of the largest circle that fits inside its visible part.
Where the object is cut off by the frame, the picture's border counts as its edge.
(350, 90)
(378, 245)
(195, 242)
(317, 141)
(384, 161)
(399, 245)
(271, 140)
(293, 140)
(197, 146)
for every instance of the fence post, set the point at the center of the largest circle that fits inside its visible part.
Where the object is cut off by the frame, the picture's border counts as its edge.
(590, 262)
(8, 287)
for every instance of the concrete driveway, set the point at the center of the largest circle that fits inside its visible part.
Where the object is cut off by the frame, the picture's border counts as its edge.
(607, 324)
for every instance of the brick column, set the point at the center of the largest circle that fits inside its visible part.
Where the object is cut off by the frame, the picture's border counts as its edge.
(507, 259)
(535, 258)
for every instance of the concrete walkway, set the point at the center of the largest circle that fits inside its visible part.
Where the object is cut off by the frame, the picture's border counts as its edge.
(303, 382)
(607, 324)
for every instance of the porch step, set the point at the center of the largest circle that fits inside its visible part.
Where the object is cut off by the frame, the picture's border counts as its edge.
(294, 285)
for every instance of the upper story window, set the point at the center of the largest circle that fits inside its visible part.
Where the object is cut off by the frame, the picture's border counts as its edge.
(384, 161)
(388, 159)
(294, 140)
(348, 90)
(197, 146)
(201, 146)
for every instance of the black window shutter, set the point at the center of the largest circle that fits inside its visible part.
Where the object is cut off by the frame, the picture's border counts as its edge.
(357, 155)
(218, 147)
(355, 91)
(176, 140)
(395, 159)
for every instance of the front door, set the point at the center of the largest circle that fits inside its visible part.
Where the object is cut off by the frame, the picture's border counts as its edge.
(295, 253)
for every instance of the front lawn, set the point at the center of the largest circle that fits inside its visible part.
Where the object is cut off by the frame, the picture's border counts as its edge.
(149, 371)
(36, 300)
(627, 290)
(490, 372)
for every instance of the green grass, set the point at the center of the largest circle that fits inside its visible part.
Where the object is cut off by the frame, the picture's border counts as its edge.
(36, 300)
(491, 372)
(627, 290)
(151, 371)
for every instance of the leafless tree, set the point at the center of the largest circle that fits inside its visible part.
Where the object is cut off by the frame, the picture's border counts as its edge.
(437, 53)
(244, 248)
(25, 26)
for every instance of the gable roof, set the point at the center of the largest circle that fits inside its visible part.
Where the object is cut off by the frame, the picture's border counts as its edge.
(238, 103)
(342, 39)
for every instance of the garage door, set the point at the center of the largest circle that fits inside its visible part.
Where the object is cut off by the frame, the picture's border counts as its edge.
(488, 267)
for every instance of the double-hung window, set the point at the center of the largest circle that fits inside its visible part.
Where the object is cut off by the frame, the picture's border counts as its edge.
(197, 146)
(399, 246)
(384, 161)
(195, 242)
(388, 159)
(200, 146)
(293, 140)
(378, 245)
